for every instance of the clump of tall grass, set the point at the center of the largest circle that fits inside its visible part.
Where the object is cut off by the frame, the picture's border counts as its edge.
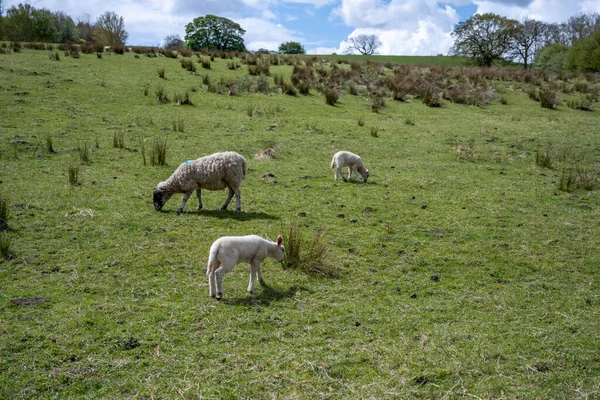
(309, 257)
(161, 95)
(332, 95)
(545, 157)
(188, 64)
(158, 151)
(74, 175)
(374, 132)
(49, 145)
(178, 124)
(549, 98)
(119, 140)
(84, 151)
(3, 213)
(361, 121)
(55, 56)
(579, 177)
(182, 98)
(161, 73)
(143, 151)
(5, 243)
(146, 89)
(205, 61)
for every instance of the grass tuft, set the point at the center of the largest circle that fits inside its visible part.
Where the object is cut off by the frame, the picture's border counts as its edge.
(84, 151)
(158, 151)
(3, 213)
(74, 175)
(5, 243)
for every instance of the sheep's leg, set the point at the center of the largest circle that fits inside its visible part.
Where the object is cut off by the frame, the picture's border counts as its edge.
(260, 277)
(199, 196)
(212, 267)
(229, 197)
(186, 196)
(238, 200)
(223, 269)
(355, 173)
(335, 174)
(339, 171)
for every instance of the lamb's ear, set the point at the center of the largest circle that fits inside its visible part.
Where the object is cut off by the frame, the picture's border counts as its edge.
(279, 240)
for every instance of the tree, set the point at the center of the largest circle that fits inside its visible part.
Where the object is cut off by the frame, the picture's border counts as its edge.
(364, 44)
(173, 42)
(581, 26)
(526, 41)
(44, 26)
(65, 27)
(18, 23)
(484, 38)
(584, 56)
(214, 33)
(291, 48)
(551, 58)
(85, 29)
(110, 29)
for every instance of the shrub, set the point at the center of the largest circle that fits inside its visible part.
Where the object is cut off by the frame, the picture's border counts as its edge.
(374, 132)
(120, 49)
(15, 46)
(361, 121)
(206, 80)
(377, 102)
(332, 95)
(549, 98)
(182, 98)
(55, 56)
(161, 73)
(205, 61)
(432, 98)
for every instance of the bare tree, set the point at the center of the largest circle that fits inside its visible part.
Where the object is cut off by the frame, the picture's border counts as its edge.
(364, 44)
(527, 40)
(110, 29)
(173, 42)
(581, 26)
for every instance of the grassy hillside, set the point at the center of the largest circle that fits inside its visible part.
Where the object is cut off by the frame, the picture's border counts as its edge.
(462, 269)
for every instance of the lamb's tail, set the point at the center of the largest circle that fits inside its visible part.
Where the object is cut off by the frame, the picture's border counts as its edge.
(332, 162)
(244, 169)
(212, 259)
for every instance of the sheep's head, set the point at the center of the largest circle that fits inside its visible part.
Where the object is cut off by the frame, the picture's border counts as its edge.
(160, 198)
(280, 249)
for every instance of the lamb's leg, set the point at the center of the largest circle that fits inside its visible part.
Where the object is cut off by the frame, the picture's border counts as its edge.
(199, 196)
(335, 173)
(253, 274)
(212, 267)
(339, 171)
(260, 277)
(229, 197)
(186, 196)
(223, 269)
(355, 173)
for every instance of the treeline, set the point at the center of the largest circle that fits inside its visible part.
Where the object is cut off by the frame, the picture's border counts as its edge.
(25, 23)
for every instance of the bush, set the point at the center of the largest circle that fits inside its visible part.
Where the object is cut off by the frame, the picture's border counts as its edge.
(188, 64)
(332, 95)
(549, 98)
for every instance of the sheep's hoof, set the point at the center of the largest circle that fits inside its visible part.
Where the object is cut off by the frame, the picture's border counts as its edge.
(250, 292)
(262, 282)
(219, 296)
(237, 210)
(179, 211)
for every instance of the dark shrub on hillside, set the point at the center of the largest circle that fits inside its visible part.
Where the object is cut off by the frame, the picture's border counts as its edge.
(549, 98)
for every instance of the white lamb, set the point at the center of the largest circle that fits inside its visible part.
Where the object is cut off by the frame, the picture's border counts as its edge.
(228, 251)
(352, 161)
(214, 172)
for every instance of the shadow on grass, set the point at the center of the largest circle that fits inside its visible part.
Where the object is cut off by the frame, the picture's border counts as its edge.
(241, 216)
(264, 295)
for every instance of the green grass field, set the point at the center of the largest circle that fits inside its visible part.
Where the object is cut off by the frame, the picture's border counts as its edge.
(463, 268)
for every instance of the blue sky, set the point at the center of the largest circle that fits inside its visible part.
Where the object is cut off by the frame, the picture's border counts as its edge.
(404, 27)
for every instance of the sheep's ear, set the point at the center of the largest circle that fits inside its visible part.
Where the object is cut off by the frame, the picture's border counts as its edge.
(279, 240)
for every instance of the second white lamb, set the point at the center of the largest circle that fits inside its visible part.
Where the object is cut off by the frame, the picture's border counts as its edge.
(352, 161)
(228, 251)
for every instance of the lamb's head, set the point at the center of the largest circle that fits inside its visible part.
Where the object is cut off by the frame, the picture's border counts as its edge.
(364, 173)
(280, 252)
(160, 197)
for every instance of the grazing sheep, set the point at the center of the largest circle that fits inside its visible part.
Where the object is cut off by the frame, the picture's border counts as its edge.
(214, 172)
(350, 160)
(228, 251)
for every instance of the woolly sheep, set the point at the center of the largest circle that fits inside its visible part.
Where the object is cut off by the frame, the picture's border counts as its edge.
(214, 172)
(350, 160)
(228, 251)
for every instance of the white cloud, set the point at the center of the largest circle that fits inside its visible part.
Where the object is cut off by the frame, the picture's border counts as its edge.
(410, 27)
(265, 34)
(543, 10)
